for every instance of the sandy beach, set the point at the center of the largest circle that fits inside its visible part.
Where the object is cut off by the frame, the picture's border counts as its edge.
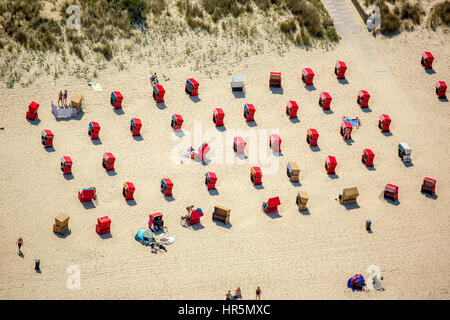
(290, 255)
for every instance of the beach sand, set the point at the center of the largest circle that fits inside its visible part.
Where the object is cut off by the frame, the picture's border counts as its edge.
(292, 255)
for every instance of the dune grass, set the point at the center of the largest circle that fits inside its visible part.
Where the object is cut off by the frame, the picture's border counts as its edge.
(398, 15)
(440, 15)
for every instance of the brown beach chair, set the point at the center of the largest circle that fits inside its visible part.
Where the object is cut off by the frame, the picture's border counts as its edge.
(348, 195)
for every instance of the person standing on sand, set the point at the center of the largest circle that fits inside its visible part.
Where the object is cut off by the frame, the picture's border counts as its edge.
(228, 295)
(65, 97)
(60, 98)
(19, 243)
(258, 293)
(238, 293)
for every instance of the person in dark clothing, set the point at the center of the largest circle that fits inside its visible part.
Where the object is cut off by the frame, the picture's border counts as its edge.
(19, 243)
(258, 293)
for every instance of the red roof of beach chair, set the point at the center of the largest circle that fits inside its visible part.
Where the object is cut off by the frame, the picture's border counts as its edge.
(251, 109)
(178, 118)
(427, 55)
(94, 125)
(130, 186)
(168, 183)
(369, 153)
(308, 72)
(272, 202)
(88, 193)
(331, 160)
(346, 124)
(204, 148)
(239, 140)
(193, 82)
(196, 214)
(48, 133)
(314, 133)
(137, 123)
(391, 188)
(275, 138)
(219, 112)
(66, 159)
(293, 105)
(154, 215)
(385, 118)
(33, 106)
(441, 84)
(212, 176)
(160, 89)
(104, 222)
(431, 180)
(257, 171)
(325, 96)
(364, 93)
(109, 156)
(118, 95)
(341, 66)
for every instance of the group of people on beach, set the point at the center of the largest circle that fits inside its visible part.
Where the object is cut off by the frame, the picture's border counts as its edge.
(62, 98)
(238, 294)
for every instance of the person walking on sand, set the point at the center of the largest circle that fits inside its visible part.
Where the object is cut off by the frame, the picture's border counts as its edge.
(19, 244)
(228, 295)
(65, 97)
(258, 293)
(60, 98)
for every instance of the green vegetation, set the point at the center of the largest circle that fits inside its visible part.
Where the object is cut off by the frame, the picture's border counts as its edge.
(440, 15)
(412, 11)
(308, 14)
(396, 18)
(104, 21)
(22, 23)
